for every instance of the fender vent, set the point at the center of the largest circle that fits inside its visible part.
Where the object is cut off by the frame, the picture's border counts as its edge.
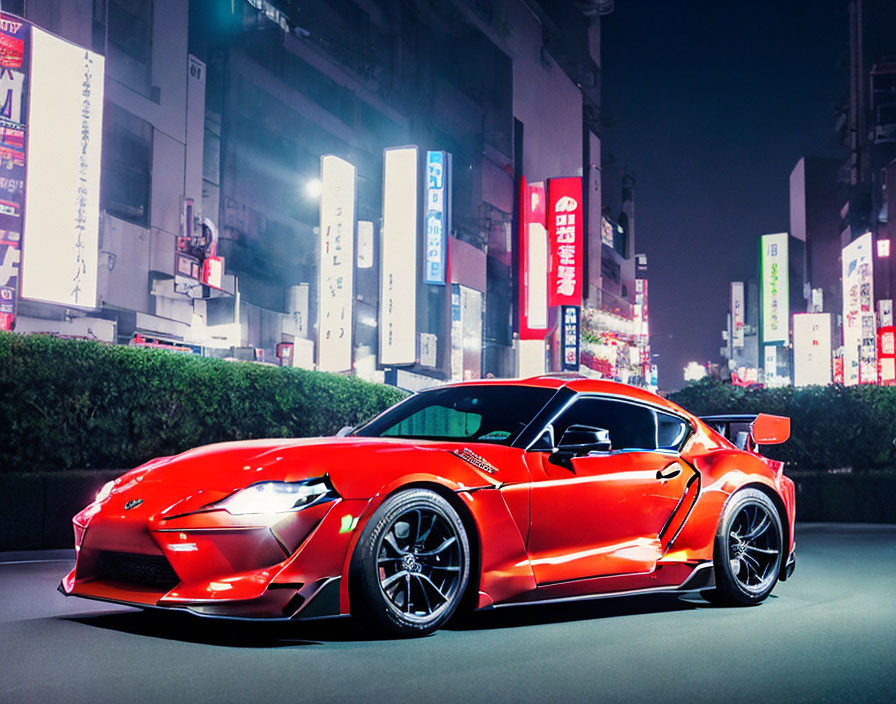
(478, 462)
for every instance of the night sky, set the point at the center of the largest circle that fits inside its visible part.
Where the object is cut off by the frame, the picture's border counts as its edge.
(711, 104)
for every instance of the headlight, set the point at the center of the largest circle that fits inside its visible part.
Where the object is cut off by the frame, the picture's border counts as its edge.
(103, 493)
(277, 497)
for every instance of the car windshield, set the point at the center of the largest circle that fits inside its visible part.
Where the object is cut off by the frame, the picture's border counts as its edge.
(486, 413)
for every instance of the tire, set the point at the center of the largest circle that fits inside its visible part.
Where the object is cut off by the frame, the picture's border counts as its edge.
(748, 550)
(411, 566)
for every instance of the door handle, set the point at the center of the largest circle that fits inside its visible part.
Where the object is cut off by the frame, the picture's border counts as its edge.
(669, 471)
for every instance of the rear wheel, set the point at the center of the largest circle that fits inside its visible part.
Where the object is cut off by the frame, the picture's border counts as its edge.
(411, 566)
(748, 550)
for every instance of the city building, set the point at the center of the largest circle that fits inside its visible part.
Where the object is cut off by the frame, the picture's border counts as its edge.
(152, 114)
(341, 185)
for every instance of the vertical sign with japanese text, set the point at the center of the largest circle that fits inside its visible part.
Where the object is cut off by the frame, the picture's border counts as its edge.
(398, 257)
(737, 314)
(565, 229)
(365, 244)
(859, 330)
(14, 47)
(337, 235)
(775, 289)
(812, 349)
(570, 338)
(437, 216)
(60, 243)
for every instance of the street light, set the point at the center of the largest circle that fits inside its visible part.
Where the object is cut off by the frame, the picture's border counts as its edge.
(313, 188)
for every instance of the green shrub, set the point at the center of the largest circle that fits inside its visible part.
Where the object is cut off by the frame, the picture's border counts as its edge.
(832, 427)
(72, 404)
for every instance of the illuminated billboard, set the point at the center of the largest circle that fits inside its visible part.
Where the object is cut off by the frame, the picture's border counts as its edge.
(737, 314)
(775, 288)
(466, 333)
(398, 259)
(565, 229)
(859, 329)
(15, 38)
(62, 183)
(812, 349)
(438, 216)
(533, 263)
(337, 233)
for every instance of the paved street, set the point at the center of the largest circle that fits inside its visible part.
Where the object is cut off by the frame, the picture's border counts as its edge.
(828, 635)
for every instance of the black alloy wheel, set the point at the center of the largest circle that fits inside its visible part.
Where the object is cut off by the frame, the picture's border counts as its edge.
(411, 566)
(748, 550)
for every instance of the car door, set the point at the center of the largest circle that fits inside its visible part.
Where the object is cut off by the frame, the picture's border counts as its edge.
(604, 513)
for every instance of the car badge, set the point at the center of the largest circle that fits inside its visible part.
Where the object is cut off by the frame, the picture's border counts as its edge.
(133, 503)
(478, 462)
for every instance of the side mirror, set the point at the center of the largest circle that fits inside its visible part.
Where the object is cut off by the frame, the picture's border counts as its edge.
(770, 430)
(582, 439)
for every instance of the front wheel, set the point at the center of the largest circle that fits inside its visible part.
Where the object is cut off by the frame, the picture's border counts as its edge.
(748, 550)
(411, 566)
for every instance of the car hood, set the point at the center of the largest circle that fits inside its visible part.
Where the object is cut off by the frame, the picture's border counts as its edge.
(357, 467)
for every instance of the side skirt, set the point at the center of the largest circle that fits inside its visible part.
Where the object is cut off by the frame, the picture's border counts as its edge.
(702, 577)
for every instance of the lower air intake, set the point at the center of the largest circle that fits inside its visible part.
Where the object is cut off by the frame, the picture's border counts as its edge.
(143, 570)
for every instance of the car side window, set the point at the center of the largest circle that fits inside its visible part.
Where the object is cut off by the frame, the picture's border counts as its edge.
(631, 427)
(671, 432)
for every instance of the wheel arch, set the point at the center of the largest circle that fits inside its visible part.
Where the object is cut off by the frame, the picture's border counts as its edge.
(782, 516)
(466, 517)
(473, 535)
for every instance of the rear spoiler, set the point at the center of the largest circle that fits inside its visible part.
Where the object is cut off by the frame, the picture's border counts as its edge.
(746, 430)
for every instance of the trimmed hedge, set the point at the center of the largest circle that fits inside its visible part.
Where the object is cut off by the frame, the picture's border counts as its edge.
(832, 427)
(74, 404)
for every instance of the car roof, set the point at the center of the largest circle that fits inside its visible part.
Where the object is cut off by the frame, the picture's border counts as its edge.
(580, 384)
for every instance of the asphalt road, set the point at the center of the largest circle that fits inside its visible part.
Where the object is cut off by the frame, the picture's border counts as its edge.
(827, 635)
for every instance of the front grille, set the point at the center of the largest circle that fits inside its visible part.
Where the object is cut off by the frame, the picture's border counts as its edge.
(131, 568)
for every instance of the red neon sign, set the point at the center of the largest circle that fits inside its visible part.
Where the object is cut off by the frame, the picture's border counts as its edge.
(565, 234)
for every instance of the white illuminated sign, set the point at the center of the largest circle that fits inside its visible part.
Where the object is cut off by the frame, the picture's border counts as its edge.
(398, 259)
(812, 349)
(737, 313)
(337, 230)
(771, 365)
(365, 244)
(885, 312)
(62, 191)
(775, 288)
(859, 331)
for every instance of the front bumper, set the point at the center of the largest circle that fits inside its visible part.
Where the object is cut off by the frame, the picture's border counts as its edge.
(213, 566)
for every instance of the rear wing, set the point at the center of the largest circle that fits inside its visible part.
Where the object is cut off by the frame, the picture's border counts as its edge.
(748, 430)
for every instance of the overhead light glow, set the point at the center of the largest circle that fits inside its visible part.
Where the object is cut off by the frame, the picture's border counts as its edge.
(314, 188)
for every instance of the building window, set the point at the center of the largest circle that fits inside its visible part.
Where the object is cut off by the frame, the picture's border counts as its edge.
(127, 166)
(130, 43)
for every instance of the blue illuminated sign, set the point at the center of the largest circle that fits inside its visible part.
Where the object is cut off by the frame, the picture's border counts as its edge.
(438, 216)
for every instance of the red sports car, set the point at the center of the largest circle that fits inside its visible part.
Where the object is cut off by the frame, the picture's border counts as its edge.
(475, 495)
